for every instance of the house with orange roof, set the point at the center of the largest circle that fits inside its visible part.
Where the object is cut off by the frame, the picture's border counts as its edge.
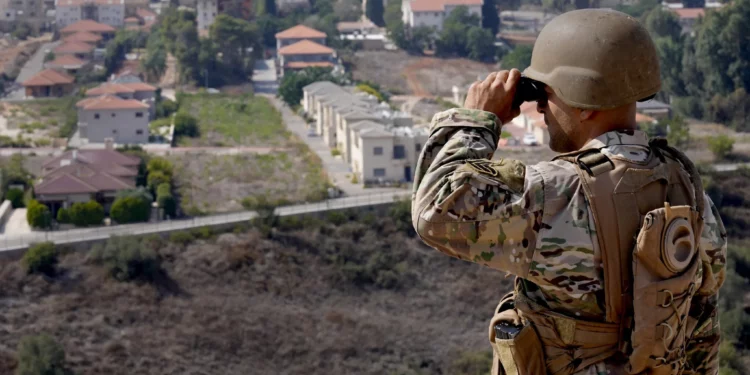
(139, 91)
(688, 17)
(48, 83)
(79, 176)
(83, 51)
(432, 13)
(297, 34)
(125, 121)
(106, 31)
(305, 54)
(83, 37)
(68, 63)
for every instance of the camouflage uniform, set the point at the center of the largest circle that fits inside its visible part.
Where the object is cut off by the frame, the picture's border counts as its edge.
(534, 221)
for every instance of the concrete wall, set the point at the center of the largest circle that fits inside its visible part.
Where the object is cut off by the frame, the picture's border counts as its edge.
(123, 126)
(207, 11)
(370, 161)
(6, 209)
(67, 15)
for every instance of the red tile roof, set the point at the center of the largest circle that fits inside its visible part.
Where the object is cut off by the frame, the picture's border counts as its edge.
(639, 118)
(88, 171)
(110, 102)
(132, 20)
(84, 37)
(62, 3)
(439, 5)
(689, 13)
(48, 77)
(305, 47)
(300, 32)
(74, 47)
(302, 64)
(87, 25)
(145, 13)
(66, 61)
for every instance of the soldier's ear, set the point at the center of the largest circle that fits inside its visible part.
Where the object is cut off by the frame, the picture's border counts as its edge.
(585, 114)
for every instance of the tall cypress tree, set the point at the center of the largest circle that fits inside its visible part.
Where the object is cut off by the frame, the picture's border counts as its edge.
(374, 12)
(265, 7)
(490, 18)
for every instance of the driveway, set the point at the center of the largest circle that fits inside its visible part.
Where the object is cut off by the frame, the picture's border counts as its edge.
(35, 63)
(17, 223)
(264, 77)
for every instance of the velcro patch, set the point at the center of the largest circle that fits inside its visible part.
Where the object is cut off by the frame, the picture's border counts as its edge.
(484, 167)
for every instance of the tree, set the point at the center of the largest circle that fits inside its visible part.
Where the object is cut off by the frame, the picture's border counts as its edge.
(375, 12)
(453, 40)
(86, 214)
(117, 48)
(154, 63)
(663, 24)
(40, 258)
(157, 178)
(38, 215)
(233, 38)
(290, 88)
(490, 17)
(63, 216)
(265, 7)
(165, 200)
(159, 164)
(519, 58)
(128, 259)
(41, 355)
(721, 146)
(22, 31)
(678, 132)
(267, 27)
(185, 125)
(15, 196)
(131, 208)
(49, 56)
(481, 44)
(348, 10)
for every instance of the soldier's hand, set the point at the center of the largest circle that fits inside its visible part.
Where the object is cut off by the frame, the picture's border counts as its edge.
(495, 94)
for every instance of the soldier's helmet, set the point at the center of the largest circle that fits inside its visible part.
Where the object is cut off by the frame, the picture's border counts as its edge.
(596, 59)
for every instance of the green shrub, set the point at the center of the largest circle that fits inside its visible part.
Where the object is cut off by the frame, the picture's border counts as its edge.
(160, 164)
(40, 258)
(127, 259)
(157, 178)
(721, 146)
(165, 108)
(86, 214)
(181, 237)
(131, 209)
(202, 233)
(335, 152)
(15, 196)
(63, 216)
(41, 355)
(185, 125)
(38, 215)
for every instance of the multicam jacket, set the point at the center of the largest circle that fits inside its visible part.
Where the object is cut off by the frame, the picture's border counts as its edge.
(534, 221)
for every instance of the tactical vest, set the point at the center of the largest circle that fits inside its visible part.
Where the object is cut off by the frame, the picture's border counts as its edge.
(648, 220)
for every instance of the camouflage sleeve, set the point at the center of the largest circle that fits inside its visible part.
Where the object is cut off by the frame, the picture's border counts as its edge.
(703, 346)
(470, 207)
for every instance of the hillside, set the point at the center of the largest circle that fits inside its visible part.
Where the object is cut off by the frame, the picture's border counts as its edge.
(357, 298)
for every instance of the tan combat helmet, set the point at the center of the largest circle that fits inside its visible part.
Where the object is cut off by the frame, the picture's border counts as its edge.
(596, 59)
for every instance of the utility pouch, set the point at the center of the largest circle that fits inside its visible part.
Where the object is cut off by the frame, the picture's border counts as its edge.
(516, 347)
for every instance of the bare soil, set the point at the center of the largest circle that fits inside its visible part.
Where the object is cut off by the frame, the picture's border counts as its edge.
(246, 304)
(402, 73)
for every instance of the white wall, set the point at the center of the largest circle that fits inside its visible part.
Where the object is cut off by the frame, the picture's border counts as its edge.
(207, 11)
(123, 127)
(67, 15)
(112, 14)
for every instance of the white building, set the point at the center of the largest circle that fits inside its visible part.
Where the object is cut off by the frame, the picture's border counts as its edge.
(284, 6)
(432, 13)
(108, 12)
(529, 121)
(206, 13)
(377, 143)
(123, 120)
(14, 12)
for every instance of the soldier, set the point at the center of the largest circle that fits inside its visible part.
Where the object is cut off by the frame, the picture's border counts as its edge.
(617, 252)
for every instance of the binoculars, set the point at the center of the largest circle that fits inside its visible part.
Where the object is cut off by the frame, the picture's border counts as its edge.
(528, 90)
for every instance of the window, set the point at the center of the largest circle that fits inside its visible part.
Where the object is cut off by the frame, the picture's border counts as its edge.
(113, 115)
(377, 151)
(399, 152)
(419, 147)
(96, 116)
(114, 131)
(378, 172)
(139, 131)
(139, 114)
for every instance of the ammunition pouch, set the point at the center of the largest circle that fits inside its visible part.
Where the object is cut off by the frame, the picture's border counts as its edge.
(520, 355)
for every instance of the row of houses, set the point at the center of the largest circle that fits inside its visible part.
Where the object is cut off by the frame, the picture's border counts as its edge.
(378, 143)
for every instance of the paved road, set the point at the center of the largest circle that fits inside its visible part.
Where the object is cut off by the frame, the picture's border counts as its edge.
(19, 242)
(17, 223)
(35, 63)
(264, 77)
(730, 167)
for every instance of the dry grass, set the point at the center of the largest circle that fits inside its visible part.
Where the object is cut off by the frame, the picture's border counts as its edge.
(244, 304)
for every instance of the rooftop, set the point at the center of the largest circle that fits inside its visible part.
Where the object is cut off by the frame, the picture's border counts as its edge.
(305, 47)
(74, 47)
(119, 88)
(62, 3)
(48, 77)
(66, 61)
(83, 37)
(353, 26)
(689, 13)
(87, 25)
(145, 13)
(652, 104)
(302, 64)
(88, 171)
(98, 157)
(110, 102)
(300, 32)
